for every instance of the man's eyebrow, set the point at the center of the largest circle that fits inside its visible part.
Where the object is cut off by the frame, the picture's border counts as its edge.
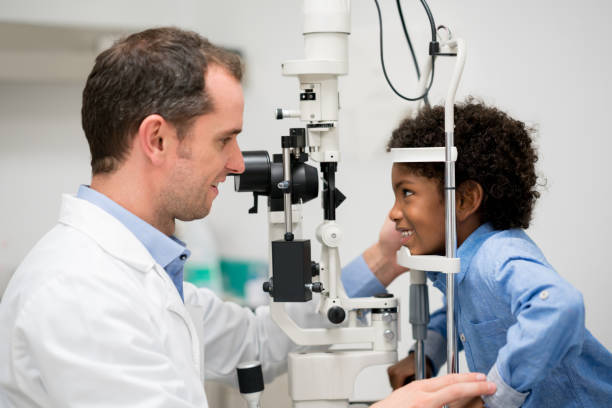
(230, 132)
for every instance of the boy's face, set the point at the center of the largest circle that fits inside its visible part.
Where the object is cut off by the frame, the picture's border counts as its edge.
(418, 211)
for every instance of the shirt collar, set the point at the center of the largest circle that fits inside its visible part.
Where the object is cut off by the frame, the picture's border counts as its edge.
(164, 249)
(465, 253)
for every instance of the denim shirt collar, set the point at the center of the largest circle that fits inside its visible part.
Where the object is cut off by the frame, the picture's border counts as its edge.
(465, 253)
(164, 249)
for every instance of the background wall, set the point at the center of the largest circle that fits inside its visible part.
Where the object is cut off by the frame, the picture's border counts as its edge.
(544, 62)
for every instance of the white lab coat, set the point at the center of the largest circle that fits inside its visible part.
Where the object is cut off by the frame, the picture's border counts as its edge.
(90, 320)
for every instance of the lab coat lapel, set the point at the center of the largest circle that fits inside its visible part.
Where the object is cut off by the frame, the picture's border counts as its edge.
(106, 230)
(118, 241)
(175, 305)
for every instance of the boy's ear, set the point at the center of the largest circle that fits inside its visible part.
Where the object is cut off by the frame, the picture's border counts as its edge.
(469, 198)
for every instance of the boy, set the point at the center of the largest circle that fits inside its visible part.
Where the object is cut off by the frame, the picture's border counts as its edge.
(517, 319)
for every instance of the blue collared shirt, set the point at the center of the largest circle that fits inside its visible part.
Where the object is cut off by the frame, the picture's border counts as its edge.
(522, 323)
(359, 281)
(169, 252)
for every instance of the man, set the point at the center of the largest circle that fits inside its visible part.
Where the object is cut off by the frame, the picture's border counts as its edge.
(97, 313)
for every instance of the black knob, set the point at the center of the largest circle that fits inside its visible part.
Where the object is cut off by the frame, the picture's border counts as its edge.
(279, 113)
(336, 314)
(317, 287)
(314, 266)
(267, 286)
(250, 377)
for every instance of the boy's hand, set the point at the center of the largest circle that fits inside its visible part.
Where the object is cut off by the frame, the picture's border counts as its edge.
(381, 257)
(403, 372)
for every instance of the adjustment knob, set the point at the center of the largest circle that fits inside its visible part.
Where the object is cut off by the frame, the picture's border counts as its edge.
(336, 314)
(317, 287)
(250, 377)
(314, 266)
(267, 286)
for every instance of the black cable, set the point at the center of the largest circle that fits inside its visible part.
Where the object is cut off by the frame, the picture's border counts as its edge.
(432, 24)
(382, 59)
(414, 58)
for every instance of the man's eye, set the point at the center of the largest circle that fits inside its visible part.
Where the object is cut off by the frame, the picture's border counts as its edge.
(407, 193)
(225, 141)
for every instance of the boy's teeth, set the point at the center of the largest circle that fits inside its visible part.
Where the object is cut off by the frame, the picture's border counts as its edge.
(407, 233)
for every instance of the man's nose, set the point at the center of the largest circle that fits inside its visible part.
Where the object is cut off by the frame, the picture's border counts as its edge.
(235, 164)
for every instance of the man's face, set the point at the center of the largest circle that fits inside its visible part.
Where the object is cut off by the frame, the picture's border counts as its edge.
(209, 151)
(418, 211)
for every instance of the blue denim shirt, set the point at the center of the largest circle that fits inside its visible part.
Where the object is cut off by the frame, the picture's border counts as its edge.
(522, 323)
(169, 252)
(359, 281)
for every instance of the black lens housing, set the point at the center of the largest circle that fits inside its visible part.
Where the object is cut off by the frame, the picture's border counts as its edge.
(262, 176)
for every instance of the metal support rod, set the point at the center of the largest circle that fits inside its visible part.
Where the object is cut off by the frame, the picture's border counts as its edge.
(287, 195)
(329, 190)
(451, 250)
(419, 356)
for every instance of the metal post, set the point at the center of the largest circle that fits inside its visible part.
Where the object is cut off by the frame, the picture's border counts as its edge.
(287, 196)
(420, 373)
(451, 250)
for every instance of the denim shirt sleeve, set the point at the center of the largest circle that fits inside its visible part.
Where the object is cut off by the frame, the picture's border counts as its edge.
(505, 396)
(359, 281)
(549, 323)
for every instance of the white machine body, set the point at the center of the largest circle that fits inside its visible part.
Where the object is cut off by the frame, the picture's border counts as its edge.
(326, 380)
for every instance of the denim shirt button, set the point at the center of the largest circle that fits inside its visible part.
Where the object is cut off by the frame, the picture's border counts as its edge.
(462, 337)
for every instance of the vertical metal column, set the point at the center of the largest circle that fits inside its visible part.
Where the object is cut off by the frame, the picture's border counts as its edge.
(287, 196)
(451, 250)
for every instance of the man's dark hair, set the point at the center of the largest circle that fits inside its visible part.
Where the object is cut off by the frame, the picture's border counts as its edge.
(493, 149)
(157, 71)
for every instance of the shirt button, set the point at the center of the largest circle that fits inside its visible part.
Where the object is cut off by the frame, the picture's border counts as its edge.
(183, 257)
(462, 337)
(544, 295)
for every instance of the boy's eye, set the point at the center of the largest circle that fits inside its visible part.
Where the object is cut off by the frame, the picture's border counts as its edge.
(407, 193)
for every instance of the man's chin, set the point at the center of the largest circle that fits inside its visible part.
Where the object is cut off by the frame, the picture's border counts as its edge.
(197, 215)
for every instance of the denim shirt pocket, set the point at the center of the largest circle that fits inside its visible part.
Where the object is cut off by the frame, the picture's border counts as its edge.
(482, 341)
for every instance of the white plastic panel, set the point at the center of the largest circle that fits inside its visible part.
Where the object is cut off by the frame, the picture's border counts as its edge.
(421, 154)
(429, 263)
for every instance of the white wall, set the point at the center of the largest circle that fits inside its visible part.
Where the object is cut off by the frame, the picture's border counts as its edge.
(544, 62)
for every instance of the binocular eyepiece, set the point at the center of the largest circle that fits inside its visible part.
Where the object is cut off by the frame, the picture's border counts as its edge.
(264, 177)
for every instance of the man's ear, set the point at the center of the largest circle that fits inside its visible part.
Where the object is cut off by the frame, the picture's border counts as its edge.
(154, 137)
(469, 198)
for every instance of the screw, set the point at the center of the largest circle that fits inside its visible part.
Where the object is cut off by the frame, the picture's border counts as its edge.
(388, 334)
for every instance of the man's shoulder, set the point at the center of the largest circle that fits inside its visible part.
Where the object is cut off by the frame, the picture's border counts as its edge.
(62, 253)
(63, 248)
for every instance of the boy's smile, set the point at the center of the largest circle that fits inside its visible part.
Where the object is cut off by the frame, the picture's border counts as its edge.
(418, 211)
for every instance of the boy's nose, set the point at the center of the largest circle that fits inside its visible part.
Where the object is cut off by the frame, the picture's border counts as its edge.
(395, 214)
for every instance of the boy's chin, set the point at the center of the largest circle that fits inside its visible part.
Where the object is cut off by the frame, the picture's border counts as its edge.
(415, 250)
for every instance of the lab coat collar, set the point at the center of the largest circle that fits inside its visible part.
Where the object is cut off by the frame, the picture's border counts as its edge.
(106, 230)
(121, 243)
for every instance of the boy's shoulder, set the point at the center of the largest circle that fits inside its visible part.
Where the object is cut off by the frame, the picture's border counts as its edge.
(500, 246)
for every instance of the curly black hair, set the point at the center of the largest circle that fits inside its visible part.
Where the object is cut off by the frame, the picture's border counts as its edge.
(494, 150)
